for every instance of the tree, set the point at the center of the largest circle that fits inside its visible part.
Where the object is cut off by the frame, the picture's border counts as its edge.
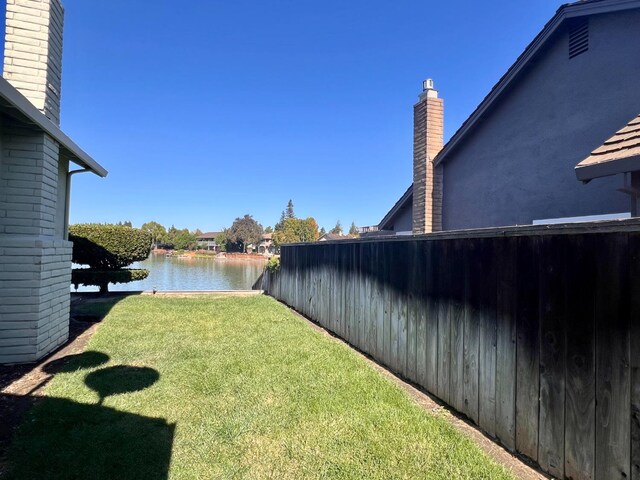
(185, 240)
(157, 231)
(323, 231)
(289, 212)
(337, 229)
(221, 240)
(126, 223)
(296, 230)
(107, 250)
(245, 231)
(268, 230)
(353, 230)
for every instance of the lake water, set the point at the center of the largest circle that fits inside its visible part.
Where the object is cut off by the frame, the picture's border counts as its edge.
(187, 273)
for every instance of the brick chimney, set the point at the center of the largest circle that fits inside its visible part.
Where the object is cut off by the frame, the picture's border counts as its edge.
(33, 52)
(427, 142)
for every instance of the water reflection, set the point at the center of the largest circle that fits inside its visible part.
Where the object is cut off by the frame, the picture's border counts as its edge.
(188, 273)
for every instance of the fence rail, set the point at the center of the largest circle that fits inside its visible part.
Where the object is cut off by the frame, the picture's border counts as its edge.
(534, 334)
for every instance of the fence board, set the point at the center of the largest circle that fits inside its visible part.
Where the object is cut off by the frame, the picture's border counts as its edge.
(506, 280)
(412, 311)
(456, 306)
(634, 315)
(527, 359)
(487, 339)
(421, 313)
(431, 325)
(580, 400)
(472, 277)
(444, 319)
(552, 354)
(612, 361)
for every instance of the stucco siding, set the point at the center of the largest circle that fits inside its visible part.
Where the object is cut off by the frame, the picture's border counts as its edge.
(518, 164)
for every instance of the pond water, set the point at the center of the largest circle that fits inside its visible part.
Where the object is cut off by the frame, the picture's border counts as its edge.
(188, 273)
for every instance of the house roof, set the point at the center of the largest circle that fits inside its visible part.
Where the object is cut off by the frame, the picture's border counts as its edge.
(208, 235)
(334, 236)
(619, 154)
(267, 236)
(15, 105)
(570, 10)
(406, 198)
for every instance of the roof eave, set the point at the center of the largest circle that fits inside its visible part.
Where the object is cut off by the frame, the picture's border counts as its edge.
(565, 12)
(18, 101)
(586, 173)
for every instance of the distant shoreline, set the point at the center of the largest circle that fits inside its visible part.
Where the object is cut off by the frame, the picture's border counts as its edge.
(238, 257)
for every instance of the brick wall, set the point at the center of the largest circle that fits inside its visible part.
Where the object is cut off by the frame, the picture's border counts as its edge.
(427, 181)
(33, 52)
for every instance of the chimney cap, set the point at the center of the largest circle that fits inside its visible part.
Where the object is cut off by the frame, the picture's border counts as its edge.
(427, 84)
(428, 91)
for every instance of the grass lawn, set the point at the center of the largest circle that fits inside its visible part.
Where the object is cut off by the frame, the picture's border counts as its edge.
(230, 387)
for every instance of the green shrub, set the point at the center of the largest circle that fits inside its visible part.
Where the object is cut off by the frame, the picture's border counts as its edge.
(102, 278)
(108, 247)
(273, 264)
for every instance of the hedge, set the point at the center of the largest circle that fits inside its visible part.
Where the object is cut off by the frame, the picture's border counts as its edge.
(102, 278)
(108, 247)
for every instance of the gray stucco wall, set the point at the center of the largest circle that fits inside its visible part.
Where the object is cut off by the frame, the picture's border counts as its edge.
(518, 164)
(404, 219)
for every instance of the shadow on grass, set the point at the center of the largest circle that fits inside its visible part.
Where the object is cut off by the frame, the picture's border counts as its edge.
(92, 307)
(64, 439)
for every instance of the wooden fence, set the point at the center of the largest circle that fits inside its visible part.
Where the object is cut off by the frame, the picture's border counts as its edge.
(533, 333)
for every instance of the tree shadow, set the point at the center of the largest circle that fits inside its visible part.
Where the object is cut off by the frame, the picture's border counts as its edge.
(63, 439)
(78, 361)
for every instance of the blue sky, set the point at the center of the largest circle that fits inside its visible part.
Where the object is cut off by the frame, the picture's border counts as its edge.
(203, 111)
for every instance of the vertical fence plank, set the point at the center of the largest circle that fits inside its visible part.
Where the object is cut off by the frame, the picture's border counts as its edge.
(553, 315)
(456, 306)
(395, 274)
(506, 275)
(421, 313)
(473, 276)
(527, 364)
(634, 295)
(444, 320)
(580, 402)
(412, 302)
(487, 340)
(380, 301)
(612, 360)
(432, 252)
(400, 304)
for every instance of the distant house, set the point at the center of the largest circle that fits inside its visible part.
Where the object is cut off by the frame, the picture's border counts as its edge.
(266, 246)
(514, 160)
(35, 255)
(207, 241)
(333, 236)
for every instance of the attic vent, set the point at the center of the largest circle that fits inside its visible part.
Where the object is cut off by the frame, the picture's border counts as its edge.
(578, 38)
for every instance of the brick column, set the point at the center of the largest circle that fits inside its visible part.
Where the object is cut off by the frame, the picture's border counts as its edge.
(33, 52)
(427, 142)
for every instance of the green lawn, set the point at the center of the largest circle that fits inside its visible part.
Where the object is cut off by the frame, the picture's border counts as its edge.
(230, 387)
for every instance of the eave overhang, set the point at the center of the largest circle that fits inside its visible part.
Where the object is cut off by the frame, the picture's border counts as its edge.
(14, 104)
